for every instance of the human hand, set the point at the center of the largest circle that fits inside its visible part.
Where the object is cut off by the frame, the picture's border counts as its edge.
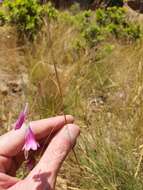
(43, 176)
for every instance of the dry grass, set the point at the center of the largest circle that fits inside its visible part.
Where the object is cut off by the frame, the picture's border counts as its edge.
(102, 89)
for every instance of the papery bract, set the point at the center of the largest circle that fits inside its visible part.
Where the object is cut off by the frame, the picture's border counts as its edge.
(21, 118)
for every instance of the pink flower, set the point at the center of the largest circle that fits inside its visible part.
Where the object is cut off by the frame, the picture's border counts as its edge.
(21, 118)
(30, 142)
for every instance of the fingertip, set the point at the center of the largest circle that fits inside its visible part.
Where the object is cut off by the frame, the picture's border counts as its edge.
(73, 131)
(69, 118)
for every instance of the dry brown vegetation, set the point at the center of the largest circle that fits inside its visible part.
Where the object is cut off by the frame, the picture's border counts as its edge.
(102, 88)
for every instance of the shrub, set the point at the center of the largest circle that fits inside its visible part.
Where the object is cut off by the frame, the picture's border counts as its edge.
(28, 15)
(83, 19)
(114, 20)
(114, 15)
(49, 11)
(93, 35)
(2, 18)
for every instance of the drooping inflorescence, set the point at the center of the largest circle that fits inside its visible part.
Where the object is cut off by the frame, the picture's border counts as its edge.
(30, 141)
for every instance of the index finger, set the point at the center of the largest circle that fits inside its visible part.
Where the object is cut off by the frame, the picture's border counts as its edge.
(12, 142)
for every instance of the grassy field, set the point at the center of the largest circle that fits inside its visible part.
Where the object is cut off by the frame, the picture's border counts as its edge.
(102, 87)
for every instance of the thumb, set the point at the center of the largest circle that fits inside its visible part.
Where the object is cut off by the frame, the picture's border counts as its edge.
(47, 169)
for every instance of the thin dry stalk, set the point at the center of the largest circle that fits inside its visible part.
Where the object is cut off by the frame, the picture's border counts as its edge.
(60, 92)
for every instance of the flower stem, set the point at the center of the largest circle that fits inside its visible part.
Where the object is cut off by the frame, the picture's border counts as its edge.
(60, 91)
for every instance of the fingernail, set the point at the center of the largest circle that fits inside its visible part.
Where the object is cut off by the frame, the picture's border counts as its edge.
(72, 131)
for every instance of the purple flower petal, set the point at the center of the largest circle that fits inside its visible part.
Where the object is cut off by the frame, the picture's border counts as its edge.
(30, 142)
(21, 118)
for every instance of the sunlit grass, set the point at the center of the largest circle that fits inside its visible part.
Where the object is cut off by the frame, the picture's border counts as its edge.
(102, 88)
